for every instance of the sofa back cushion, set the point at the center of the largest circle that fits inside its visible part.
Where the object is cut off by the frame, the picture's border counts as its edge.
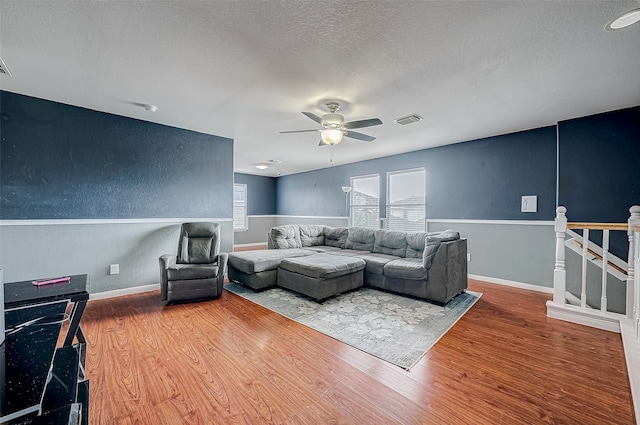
(335, 236)
(199, 243)
(286, 236)
(312, 235)
(432, 243)
(415, 244)
(360, 238)
(390, 242)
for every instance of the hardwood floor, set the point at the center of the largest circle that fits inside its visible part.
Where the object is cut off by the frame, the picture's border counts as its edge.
(231, 361)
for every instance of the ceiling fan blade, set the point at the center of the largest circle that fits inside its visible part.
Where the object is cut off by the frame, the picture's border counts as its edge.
(313, 117)
(359, 136)
(298, 131)
(362, 123)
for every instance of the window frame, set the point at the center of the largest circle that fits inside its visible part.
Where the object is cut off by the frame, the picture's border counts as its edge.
(389, 205)
(245, 224)
(352, 179)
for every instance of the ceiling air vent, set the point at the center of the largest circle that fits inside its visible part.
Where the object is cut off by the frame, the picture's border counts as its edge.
(408, 119)
(3, 68)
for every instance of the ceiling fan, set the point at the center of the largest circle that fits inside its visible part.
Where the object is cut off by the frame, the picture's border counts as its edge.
(334, 127)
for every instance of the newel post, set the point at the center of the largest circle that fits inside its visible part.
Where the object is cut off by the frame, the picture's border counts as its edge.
(632, 305)
(559, 271)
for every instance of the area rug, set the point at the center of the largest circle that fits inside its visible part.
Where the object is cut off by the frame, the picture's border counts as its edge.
(397, 329)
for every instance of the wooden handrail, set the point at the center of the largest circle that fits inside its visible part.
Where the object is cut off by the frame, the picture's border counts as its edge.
(598, 226)
(599, 257)
(636, 227)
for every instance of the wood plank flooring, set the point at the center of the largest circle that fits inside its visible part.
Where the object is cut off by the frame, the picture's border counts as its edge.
(229, 361)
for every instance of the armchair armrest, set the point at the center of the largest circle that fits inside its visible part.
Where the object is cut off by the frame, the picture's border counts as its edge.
(165, 261)
(222, 269)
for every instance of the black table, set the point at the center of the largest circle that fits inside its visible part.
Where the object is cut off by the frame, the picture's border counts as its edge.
(31, 360)
(18, 294)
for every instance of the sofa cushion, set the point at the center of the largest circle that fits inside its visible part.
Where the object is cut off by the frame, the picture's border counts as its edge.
(267, 259)
(360, 238)
(323, 266)
(335, 236)
(199, 243)
(286, 236)
(323, 248)
(415, 244)
(406, 268)
(375, 262)
(432, 243)
(390, 243)
(192, 271)
(348, 252)
(311, 235)
(197, 250)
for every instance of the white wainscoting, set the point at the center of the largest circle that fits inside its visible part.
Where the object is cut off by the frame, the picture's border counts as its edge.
(42, 248)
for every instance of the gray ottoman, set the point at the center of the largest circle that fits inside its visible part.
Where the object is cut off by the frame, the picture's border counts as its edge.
(258, 270)
(321, 276)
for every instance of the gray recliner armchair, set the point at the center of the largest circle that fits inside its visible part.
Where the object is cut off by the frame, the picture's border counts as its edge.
(198, 270)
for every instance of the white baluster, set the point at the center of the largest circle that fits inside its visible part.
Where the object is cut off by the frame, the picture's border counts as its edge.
(559, 271)
(632, 307)
(605, 266)
(585, 254)
(636, 304)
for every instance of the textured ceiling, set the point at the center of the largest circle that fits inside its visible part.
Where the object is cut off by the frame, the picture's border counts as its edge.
(246, 69)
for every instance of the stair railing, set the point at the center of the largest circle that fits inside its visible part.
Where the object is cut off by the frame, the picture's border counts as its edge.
(601, 256)
(635, 229)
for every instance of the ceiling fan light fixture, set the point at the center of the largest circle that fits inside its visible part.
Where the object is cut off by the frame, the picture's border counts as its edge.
(331, 137)
(624, 20)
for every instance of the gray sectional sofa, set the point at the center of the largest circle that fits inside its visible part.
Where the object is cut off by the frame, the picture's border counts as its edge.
(432, 266)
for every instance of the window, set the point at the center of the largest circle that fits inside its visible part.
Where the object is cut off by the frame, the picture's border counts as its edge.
(365, 201)
(405, 200)
(240, 207)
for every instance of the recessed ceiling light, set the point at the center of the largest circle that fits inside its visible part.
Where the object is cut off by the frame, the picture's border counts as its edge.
(150, 108)
(624, 20)
(262, 166)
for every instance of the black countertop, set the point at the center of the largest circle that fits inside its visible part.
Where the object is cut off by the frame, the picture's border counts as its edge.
(25, 292)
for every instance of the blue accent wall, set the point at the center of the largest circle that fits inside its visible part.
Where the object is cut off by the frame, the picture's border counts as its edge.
(599, 166)
(261, 193)
(65, 162)
(481, 179)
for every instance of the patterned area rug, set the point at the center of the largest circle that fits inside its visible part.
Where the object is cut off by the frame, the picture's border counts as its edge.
(396, 329)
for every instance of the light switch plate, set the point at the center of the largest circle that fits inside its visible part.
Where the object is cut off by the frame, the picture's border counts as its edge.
(530, 203)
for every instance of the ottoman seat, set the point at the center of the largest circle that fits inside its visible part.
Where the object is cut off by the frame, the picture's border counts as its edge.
(259, 261)
(321, 276)
(258, 269)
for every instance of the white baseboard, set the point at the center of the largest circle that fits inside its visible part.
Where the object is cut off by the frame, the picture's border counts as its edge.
(632, 355)
(245, 245)
(125, 291)
(512, 283)
(593, 318)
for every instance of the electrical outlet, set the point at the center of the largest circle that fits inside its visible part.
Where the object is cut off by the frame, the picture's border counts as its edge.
(468, 256)
(114, 269)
